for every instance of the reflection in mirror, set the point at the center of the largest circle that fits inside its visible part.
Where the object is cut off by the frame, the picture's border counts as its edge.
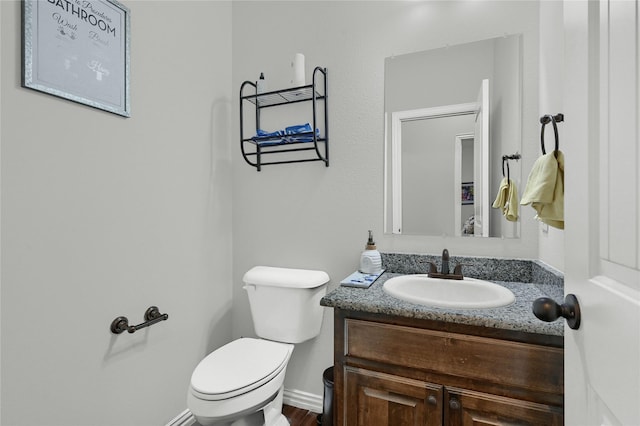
(450, 115)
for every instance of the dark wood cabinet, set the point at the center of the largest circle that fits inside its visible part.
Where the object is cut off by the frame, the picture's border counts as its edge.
(400, 371)
(469, 408)
(377, 398)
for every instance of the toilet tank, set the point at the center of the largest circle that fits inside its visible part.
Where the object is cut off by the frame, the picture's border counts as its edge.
(285, 303)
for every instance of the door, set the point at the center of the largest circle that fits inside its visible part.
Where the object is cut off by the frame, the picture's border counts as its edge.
(602, 206)
(481, 163)
(464, 407)
(384, 399)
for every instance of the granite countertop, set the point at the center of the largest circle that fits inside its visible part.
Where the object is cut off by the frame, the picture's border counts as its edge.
(517, 316)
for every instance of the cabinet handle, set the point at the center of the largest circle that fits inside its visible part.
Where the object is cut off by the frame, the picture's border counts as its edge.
(454, 404)
(390, 396)
(548, 310)
(432, 400)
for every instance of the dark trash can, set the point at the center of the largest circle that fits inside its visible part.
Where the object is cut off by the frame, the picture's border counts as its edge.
(327, 400)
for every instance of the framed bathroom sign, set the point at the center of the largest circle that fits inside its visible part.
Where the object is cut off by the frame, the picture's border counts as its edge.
(78, 50)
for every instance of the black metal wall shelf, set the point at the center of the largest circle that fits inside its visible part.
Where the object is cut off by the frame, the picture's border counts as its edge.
(306, 146)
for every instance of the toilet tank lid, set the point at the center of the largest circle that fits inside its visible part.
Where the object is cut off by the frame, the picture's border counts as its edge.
(285, 277)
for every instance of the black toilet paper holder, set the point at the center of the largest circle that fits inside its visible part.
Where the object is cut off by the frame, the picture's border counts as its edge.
(151, 316)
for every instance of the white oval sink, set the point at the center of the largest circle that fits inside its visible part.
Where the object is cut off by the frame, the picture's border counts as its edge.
(468, 293)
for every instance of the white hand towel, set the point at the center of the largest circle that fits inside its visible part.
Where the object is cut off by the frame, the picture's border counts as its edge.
(507, 200)
(545, 189)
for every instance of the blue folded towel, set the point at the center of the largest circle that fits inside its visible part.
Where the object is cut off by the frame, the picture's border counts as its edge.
(305, 138)
(291, 131)
(264, 134)
(300, 128)
(297, 133)
(263, 137)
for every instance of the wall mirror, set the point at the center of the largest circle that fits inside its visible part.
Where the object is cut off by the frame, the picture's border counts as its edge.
(450, 116)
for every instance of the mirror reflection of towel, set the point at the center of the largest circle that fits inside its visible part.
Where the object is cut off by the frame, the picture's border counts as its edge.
(545, 189)
(507, 199)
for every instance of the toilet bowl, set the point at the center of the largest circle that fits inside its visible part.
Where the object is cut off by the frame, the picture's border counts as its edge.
(248, 374)
(241, 383)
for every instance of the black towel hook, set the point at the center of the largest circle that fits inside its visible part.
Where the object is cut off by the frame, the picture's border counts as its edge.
(506, 158)
(545, 119)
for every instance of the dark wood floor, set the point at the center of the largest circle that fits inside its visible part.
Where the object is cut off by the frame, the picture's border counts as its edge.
(299, 416)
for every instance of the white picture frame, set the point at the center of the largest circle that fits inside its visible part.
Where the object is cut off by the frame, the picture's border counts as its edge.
(78, 50)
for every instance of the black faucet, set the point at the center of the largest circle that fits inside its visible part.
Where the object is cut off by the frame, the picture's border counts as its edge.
(444, 269)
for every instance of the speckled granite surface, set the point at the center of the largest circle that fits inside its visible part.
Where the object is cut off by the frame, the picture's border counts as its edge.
(528, 280)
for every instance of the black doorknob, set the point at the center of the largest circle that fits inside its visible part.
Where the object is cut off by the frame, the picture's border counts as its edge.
(548, 310)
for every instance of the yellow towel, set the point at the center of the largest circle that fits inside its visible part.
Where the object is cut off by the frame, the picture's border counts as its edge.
(545, 189)
(507, 200)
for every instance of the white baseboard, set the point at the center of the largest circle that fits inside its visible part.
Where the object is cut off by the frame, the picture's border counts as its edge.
(183, 419)
(304, 400)
(293, 397)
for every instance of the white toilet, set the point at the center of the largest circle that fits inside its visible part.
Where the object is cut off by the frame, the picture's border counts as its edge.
(241, 383)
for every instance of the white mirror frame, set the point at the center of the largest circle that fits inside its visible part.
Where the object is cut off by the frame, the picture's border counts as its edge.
(397, 118)
(481, 162)
(457, 180)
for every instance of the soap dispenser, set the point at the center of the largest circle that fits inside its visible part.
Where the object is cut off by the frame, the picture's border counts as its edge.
(370, 261)
(261, 84)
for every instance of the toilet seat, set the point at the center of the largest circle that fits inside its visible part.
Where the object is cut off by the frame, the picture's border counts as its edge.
(239, 367)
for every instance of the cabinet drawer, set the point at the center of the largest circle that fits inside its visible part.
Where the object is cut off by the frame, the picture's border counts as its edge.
(529, 366)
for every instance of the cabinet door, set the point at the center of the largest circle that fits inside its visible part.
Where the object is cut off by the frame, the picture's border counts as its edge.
(378, 399)
(464, 407)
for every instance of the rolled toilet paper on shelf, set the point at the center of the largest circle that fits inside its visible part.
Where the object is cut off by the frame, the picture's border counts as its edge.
(297, 69)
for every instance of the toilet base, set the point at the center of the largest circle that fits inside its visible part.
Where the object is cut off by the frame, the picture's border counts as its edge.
(280, 421)
(273, 411)
(257, 419)
(269, 415)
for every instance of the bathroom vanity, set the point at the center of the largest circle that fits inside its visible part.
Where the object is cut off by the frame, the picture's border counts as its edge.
(397, 363)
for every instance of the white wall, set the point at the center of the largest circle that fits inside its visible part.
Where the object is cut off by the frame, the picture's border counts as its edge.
(551, 240)
(505, 128)
(309, 216)
(104, 216)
